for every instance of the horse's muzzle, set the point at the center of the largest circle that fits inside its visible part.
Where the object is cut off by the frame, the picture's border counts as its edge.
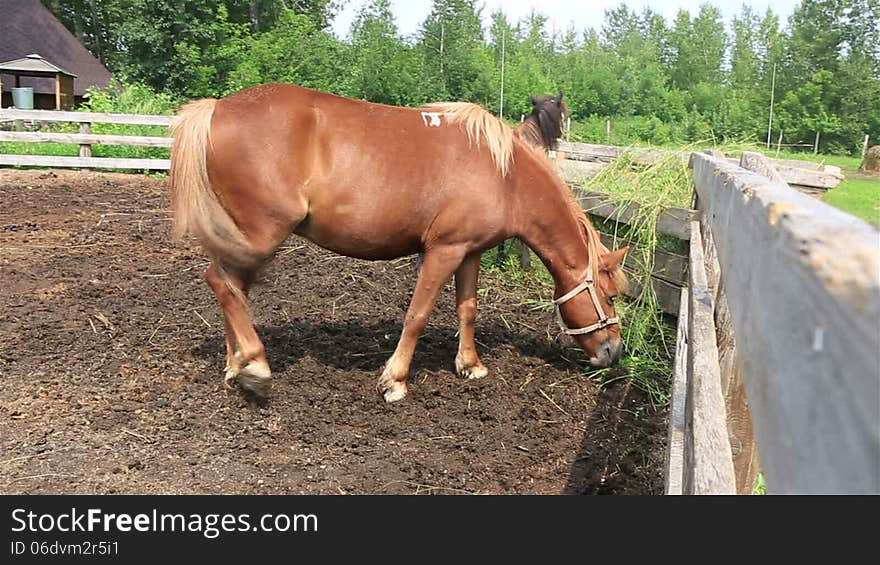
(608, 353)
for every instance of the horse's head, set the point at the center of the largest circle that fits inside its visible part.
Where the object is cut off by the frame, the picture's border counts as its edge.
(550, 111)
(586, 311)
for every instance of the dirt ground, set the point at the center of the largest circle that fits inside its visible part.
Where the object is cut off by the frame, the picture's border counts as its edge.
(111, 353)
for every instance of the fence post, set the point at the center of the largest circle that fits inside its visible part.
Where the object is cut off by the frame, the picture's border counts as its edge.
(85, 149)
(865, 146)
(816, 145)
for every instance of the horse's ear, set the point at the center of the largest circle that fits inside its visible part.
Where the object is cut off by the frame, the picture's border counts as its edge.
(559, 98)
(612, 260)
(534, 100)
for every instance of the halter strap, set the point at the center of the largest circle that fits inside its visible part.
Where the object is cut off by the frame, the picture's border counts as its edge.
(588, 285)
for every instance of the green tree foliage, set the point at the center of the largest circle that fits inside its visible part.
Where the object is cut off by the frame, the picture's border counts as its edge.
(383, 68)
(295, 50)
(454, 50)
(692, 78)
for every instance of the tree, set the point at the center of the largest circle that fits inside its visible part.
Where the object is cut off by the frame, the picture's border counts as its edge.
(295, 50)
(187, 47)
(94, 23)
(383, 67)
(454, 51)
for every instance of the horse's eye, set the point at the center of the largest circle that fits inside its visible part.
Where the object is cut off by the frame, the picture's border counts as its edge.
(610, 300)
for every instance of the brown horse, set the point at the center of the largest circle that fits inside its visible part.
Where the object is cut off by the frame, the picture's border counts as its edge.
(379, 182)
(542, 128)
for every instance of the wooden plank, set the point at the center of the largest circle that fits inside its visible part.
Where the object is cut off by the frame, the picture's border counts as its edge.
(577, 172)
(668, 295)
(798, 164)
(818, 179)
(777, 171)
(803, 285)
(739, 421)
(93, 139)
(708, 460)
(758, 163)
(588, 152)
(608, 153)
(672, 221)
(85, 162)
(668, 266)
(674, 472)
(93, 117)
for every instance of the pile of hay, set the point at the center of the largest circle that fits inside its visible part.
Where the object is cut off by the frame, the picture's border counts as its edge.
(871, 164)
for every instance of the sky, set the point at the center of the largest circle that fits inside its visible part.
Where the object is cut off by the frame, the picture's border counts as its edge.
(562, 13)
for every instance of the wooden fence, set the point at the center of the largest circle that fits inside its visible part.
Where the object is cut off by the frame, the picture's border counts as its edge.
(779, 343)
(85, 139)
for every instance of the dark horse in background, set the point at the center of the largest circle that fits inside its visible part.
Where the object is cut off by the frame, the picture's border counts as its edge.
(542, 128)
(378, 182)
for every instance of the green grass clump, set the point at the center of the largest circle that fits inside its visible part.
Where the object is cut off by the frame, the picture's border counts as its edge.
(760, 485)
(648, 335)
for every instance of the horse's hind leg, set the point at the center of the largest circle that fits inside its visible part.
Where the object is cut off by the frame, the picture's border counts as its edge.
(467, 362)
(245, 354)
(439, 265)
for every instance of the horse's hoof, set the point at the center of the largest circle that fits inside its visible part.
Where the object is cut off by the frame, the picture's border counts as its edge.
(392, 391)
(256, 377)
(229, 378)
(477, 371)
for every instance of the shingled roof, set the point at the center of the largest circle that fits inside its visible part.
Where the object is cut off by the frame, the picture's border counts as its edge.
(26, 27)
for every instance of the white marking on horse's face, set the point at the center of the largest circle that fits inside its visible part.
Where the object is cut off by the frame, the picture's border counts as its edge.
(431, 119)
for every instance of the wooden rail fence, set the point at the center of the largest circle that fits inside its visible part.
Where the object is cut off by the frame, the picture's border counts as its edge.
(778, 352)
(85, 139)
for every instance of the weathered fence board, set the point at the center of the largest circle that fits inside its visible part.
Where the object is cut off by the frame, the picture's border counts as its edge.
(667, 266)
(667, 294)
(90, 117)
(708, 461)
(608, 153)
(79, 138)
(791, 173)
(675, 445)
(672, 221)
(577, 172)
(803, 285)
(758, 163)
(739, 421)
(85, 162)
(817, 179)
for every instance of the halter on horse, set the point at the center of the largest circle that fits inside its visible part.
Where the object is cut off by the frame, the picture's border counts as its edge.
(379, 182)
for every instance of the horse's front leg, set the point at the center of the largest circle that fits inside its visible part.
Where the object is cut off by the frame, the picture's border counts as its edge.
(438, 266)
(467, 362)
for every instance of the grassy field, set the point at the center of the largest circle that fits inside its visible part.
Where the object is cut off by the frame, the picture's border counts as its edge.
(860, 196)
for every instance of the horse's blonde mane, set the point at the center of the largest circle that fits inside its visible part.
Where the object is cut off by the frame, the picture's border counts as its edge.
(480, 126)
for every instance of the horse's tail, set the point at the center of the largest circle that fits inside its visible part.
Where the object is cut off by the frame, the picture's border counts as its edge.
(197, 210)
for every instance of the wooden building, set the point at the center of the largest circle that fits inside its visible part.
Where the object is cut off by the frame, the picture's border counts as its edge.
(37, 51)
